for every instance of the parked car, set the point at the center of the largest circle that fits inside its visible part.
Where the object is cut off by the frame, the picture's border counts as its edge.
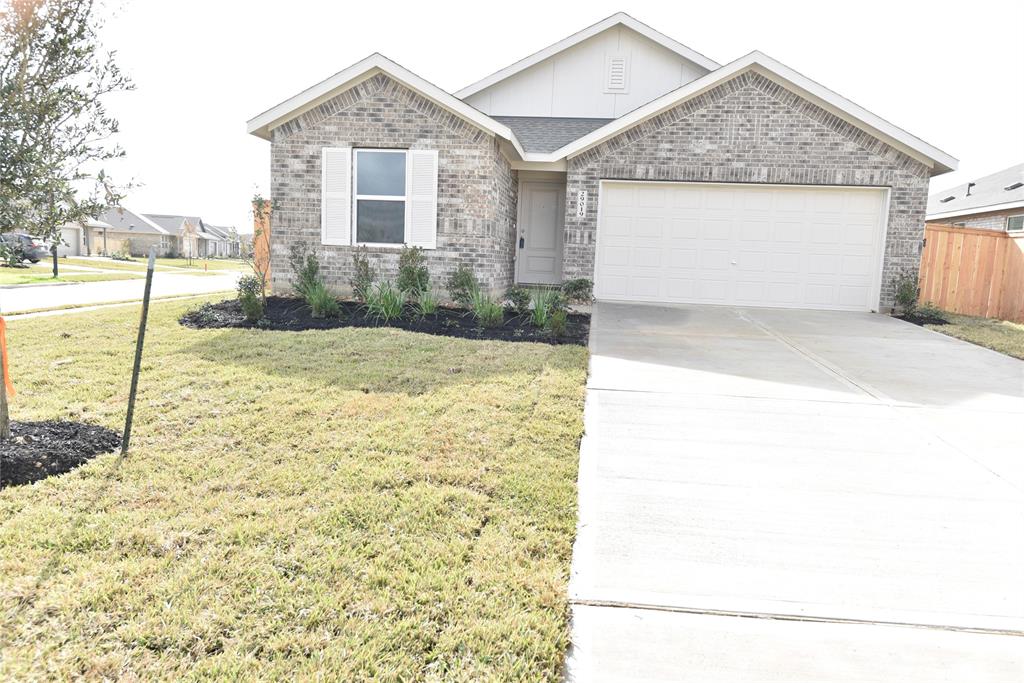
(34, 248)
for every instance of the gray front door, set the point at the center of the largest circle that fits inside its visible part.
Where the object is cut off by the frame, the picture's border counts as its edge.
(541, 216)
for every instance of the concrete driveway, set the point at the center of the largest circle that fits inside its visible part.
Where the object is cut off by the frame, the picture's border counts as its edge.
(797, 496)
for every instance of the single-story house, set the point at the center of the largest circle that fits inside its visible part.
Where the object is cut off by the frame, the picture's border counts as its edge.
(995, 202)
(617, 154)
(219, 241)
(196, 238)
(119, 230)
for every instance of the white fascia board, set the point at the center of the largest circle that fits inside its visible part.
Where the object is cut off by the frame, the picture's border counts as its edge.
(974, 210)
(152, 224)
(939, 161)
(376, 63)
(576, 38)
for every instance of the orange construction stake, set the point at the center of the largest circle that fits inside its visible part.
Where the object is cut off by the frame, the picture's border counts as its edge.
(3, 351)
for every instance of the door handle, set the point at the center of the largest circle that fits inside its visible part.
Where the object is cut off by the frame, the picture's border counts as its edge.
(522, 242)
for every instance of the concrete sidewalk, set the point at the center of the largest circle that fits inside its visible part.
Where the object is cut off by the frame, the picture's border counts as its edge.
(796, 496)
(31, 297)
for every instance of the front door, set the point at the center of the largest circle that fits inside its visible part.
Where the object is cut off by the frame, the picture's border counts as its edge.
(541, 216)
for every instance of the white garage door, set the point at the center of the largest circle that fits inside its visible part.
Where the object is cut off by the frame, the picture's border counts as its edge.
(742, 245)
(71, 240)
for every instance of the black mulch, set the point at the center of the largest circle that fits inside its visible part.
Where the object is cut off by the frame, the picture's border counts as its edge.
(292, 314)
(923, 319)
(37, 450)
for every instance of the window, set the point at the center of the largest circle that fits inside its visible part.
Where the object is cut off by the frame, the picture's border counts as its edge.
(380, 196)
(1015, 223)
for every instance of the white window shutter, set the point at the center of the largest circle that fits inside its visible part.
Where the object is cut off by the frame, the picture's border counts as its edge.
(421, 187)
(336, 196)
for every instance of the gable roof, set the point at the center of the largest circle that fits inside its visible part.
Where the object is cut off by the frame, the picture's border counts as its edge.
(939, 161)
(261, 125)
(546, 133)
(1001, 190)
(122, 220)
(620, 18)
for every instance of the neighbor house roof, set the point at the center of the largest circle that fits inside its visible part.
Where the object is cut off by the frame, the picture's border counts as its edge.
(122, 220)
(620, 18)
(1002, 190)
(545, 133)
(218, 231)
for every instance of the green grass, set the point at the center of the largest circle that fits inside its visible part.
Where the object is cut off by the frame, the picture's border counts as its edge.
(163, 264)
(344, 505)
(998, 335)
(210, 264)
(19, 276)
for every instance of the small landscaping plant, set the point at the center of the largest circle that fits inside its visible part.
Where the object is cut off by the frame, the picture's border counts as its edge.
(250, 297)
(931, 313)
(486, 310)
(517, 300)
(578, 291)
(906, 291)
(386, 302)
(543, 303)
(363, 274)
(413, 277)
(305, 265)
(557, 322)
(461, 285)
(426, 302)
(322, 303)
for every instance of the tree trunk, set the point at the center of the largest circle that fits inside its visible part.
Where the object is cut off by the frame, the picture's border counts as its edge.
(53, 251)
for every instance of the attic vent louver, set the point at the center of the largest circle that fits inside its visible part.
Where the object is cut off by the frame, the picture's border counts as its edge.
(617, 74)
(1013, 187)
(947, 199)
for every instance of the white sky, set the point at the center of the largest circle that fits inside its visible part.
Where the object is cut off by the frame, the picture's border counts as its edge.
(947, 72)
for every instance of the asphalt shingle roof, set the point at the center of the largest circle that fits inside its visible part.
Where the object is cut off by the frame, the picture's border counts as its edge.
(123, 220)
(545, 133)
(987, 192)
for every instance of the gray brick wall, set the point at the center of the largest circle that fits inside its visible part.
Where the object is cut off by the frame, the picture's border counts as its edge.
(751, 130)
(988, 221)
(476, 184)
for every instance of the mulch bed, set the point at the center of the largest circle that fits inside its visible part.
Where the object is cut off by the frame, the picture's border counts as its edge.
(923, 319)
(292, 314)
(37, 450)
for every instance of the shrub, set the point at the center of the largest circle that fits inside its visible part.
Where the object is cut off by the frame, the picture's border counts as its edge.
(906, 291)
(462, 284)
(426, 302)
(363, 275)
(322, 303)
(557, 322)
(930, 311)
(413, 277)
(486, 310)
(578, 291)
(121, 256)
(306, 266)
(250, 284)
(517, 300)
(386, 302)
(252, 306)
(12, 254)
(544, 302)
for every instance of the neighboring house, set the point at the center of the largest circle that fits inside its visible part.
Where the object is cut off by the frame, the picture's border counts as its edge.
(119, 230)
(196, 238)
(995, 202)
(616, 154)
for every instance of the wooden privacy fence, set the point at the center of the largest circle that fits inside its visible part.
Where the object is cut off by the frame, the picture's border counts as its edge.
(261, 237)
(974, 272)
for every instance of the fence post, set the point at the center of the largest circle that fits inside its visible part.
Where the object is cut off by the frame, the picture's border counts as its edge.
(126, 438)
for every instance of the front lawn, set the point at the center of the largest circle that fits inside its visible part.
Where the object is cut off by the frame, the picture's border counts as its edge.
(27, 276)
(236, 265)
(998, 335)
(325, 505)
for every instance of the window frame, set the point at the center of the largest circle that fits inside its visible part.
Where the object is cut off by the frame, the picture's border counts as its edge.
(378, 197)
(1017, 215)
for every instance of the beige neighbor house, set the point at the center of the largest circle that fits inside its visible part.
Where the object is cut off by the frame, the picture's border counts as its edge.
(122, 231)
(196, 238)
(616, 154)
(995, 202)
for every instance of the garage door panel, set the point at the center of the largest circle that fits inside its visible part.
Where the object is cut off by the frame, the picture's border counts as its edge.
(740, 244)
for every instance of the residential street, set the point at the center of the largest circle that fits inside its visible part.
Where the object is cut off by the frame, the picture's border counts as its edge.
(799, 496)
(28, 298)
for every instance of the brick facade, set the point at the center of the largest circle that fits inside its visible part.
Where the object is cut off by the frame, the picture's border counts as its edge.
(476, 184)
(993, 220)
(751, 130)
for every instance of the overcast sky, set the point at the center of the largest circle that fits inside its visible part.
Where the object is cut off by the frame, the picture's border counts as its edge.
(949, 73)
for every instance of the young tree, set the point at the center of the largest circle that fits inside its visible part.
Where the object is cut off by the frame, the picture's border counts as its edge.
(55, 133)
